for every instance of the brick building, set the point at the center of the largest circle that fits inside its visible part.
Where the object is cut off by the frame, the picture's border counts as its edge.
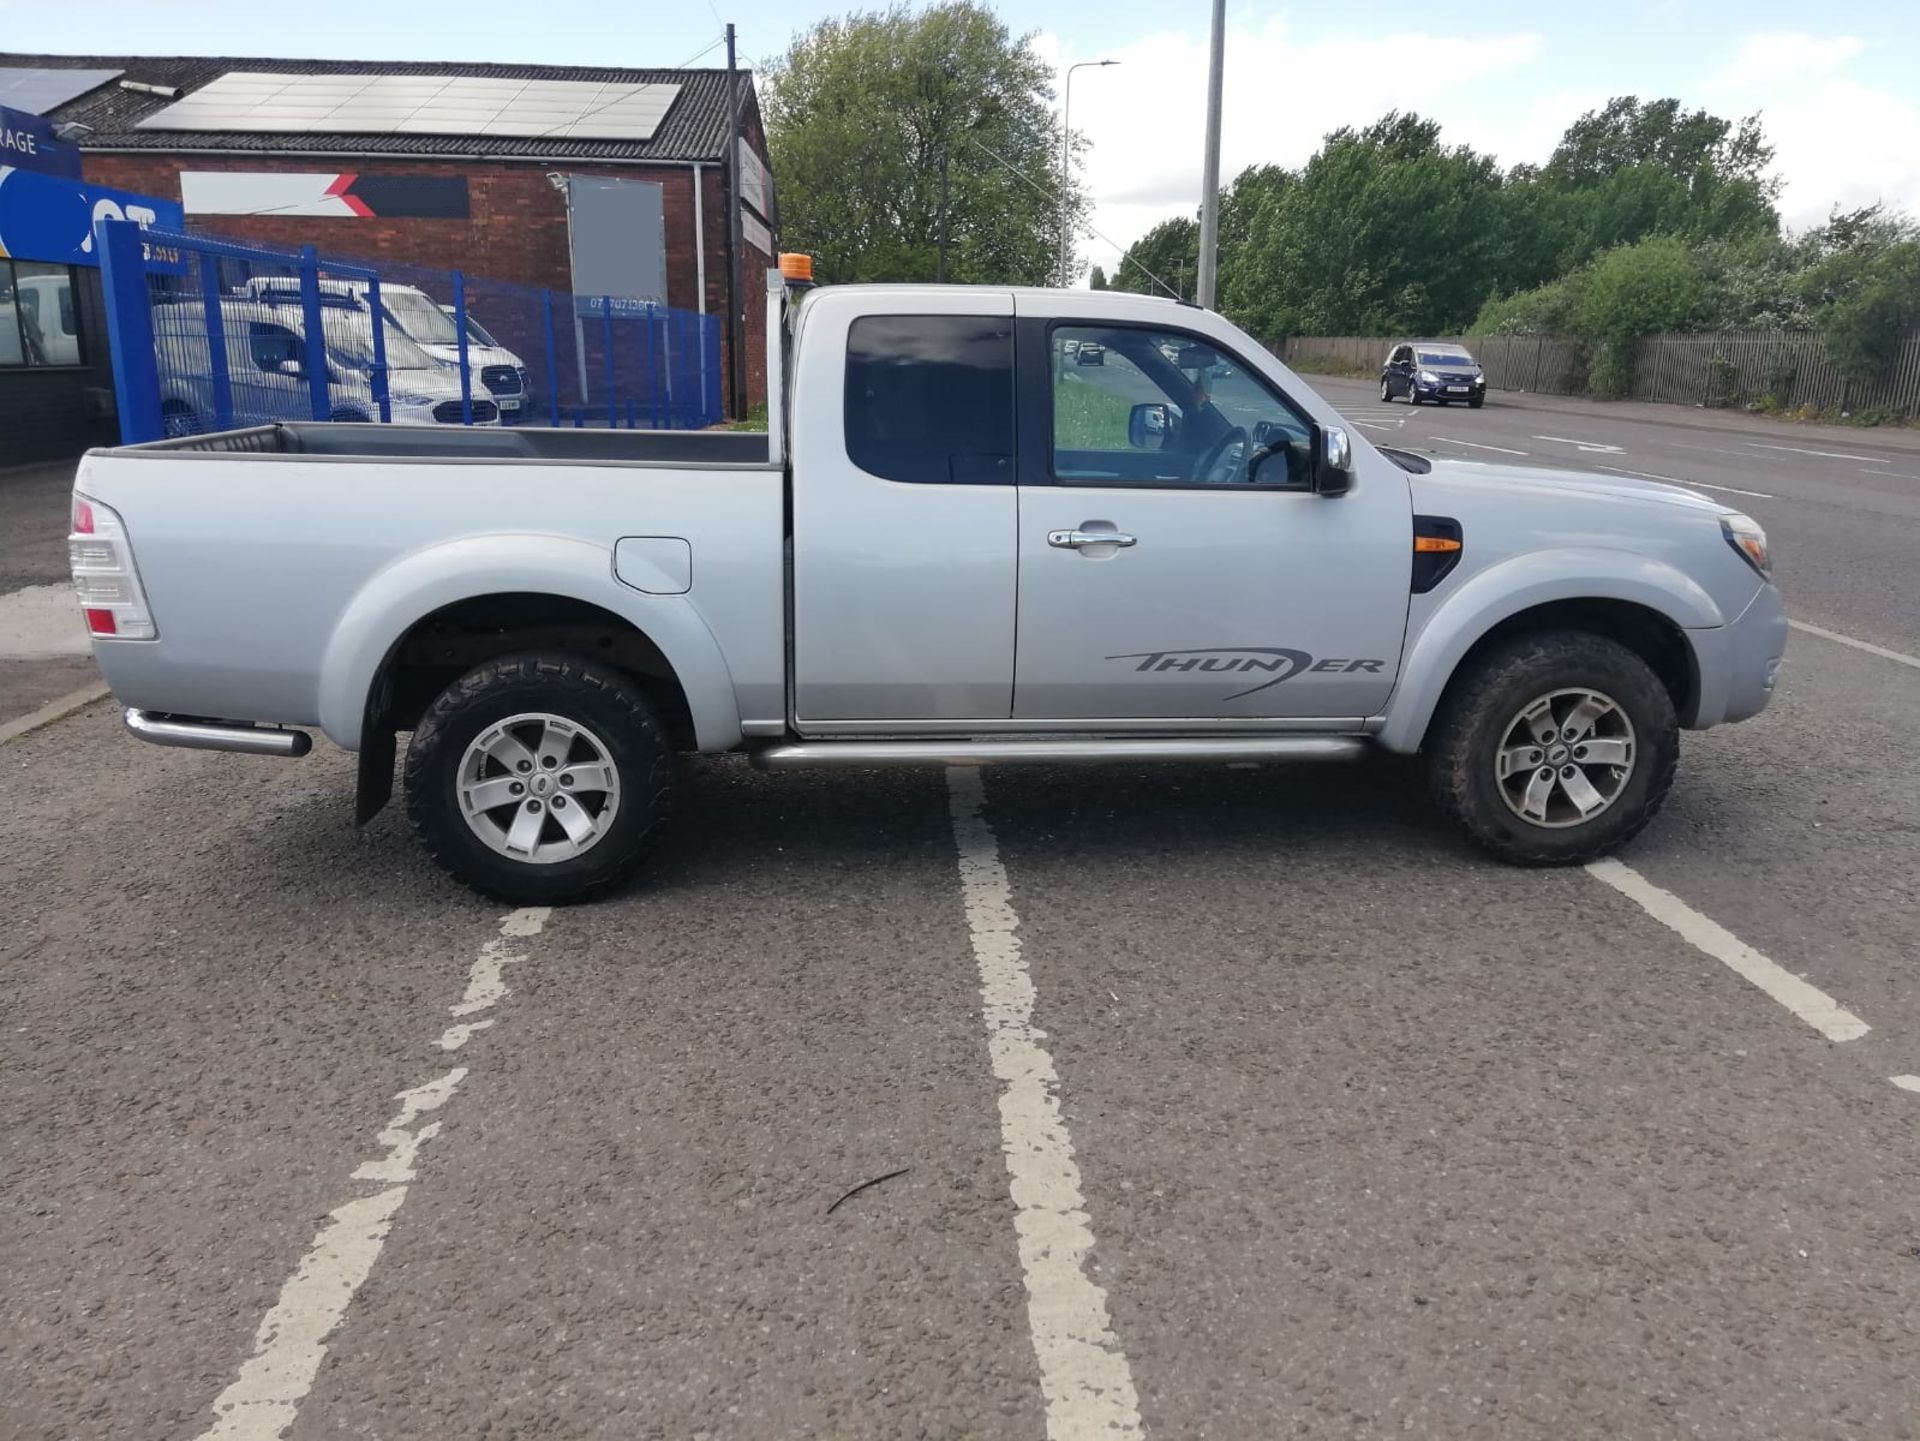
(442, 165)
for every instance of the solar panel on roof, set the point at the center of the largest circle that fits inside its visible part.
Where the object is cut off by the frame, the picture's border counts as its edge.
(37, 91)
(421, 105)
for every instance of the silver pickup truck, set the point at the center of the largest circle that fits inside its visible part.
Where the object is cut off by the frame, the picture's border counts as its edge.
(985, 525)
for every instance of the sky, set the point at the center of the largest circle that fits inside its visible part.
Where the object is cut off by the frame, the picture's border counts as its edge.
(1833, 83)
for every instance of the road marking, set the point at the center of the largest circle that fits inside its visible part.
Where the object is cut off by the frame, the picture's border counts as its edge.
(1449, 440)
(265, 1397)
(1823, 454)
(1378, 424)
(53, 710)
(1906, 1083)
(1805, 1000)
(1867, 646)
(1891, 474)
(1084, 1374)
(1594, 446)
(1676, 480)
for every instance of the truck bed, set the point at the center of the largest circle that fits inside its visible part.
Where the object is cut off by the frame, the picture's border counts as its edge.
(628, 447)
(279, 576)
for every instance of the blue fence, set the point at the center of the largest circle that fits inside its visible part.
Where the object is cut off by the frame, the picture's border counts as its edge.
(208, 334)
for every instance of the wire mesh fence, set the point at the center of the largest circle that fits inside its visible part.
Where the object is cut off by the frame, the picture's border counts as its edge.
(209, 334)
(1772, 369)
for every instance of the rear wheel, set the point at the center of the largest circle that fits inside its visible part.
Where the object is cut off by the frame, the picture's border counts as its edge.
(1386, 391)
(540, 779)
(1554, 748)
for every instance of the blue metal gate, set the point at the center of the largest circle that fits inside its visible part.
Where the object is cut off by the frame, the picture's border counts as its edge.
(210, 334)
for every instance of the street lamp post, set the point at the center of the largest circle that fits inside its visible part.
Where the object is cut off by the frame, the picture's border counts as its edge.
(1066, 147)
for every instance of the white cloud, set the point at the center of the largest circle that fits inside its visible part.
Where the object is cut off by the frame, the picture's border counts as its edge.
(1779, 58)
(1145, 118)
(1836, 141)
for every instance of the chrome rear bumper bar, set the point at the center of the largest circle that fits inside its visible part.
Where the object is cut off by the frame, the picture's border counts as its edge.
(204, 735)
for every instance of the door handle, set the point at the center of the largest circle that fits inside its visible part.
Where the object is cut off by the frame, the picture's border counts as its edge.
(1079, 539)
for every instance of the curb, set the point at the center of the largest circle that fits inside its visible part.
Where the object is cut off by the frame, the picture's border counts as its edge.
(54, 710)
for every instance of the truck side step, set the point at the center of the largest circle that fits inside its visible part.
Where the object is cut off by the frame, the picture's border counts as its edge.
(796, 755)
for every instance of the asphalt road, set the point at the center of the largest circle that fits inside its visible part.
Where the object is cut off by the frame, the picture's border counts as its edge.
(1361, 1134)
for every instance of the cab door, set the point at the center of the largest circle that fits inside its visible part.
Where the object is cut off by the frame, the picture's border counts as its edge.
(904, 511)
(1174, 564)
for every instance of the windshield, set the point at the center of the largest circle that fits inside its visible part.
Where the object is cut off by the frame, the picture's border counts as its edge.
(1446, 357)
(420, 318)
(352, 349)
(478, 332)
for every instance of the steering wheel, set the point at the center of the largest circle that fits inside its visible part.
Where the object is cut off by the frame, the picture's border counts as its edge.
(1226, 459)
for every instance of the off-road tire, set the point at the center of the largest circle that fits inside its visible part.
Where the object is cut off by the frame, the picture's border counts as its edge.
(1467, 732)
(604, 701)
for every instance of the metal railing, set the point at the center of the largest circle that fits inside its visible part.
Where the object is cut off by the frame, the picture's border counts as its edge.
(209, 334)
(1776, 369)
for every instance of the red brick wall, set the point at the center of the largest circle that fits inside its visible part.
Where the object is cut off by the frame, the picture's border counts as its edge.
(517, 230)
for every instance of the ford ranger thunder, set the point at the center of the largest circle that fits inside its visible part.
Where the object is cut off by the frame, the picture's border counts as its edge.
(957, 543)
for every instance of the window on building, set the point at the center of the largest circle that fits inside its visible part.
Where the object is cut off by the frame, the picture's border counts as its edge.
(39, 319)
(930, 398)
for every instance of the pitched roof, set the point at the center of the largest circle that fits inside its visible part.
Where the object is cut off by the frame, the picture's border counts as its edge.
(694, 128)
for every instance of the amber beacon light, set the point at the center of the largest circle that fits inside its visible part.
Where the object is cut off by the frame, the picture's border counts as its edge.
(796, 268)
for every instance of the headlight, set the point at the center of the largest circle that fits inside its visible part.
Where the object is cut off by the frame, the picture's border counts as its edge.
(1744, 534)
(1427, 377)
(413, 400)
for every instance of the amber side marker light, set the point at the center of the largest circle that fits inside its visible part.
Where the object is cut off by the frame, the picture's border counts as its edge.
(1434, 544)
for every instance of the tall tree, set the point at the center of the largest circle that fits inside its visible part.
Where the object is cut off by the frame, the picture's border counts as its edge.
(1098, 280)
(890, 128)
(1161, 262)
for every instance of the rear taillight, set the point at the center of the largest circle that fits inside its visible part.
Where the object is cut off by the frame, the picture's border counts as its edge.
(104, 576)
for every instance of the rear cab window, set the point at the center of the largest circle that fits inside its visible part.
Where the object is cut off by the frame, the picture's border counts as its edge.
(929, 398)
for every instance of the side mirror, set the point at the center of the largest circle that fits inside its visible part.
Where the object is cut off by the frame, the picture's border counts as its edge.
(1151, 426)
(290, 367)
(1333, 461)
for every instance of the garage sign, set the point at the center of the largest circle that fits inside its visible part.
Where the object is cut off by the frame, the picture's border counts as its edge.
(27, 142)
(51, 218)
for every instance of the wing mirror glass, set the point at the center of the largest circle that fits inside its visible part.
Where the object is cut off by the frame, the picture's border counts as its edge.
(1333, 461)
(1152, 426)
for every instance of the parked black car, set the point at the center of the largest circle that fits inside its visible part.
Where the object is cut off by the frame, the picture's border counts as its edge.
(1435, 370)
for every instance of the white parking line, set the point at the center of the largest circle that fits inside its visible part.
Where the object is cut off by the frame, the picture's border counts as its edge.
(1906, 1083)
(1475, 445)
(1898, 657)
(265, 1398)
(1807, 1001)
(1595, 446)
(1676, 480)
(1378, 424)
(1084, 1374)
(1823, 454)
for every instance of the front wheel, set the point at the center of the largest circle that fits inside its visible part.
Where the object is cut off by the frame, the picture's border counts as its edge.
(1554, 748)
(1386, 392)
(540, 779)
(1476, 402)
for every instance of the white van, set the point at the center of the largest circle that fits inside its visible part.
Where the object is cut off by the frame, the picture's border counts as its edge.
(40, 320)
(266, 367)
(497, 371)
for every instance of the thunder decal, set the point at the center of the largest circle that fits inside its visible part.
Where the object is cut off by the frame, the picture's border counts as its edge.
(1281, 664)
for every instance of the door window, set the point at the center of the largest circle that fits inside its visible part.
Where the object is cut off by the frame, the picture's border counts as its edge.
(1158, 407)
(929, 398)
(274, 346)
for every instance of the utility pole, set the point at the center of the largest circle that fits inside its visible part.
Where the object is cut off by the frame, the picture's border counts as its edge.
(940, 266)
(736, 330)
(1066, 149)
(1210, 179)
